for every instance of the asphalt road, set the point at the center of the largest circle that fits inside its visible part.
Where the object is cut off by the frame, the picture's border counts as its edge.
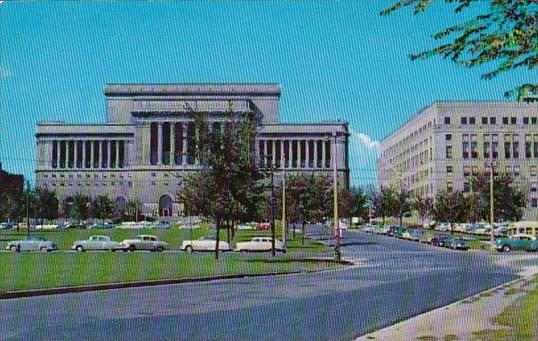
(393, 280)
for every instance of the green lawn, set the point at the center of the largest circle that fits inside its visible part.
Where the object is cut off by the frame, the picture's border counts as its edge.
(519, 319)
(38, 271)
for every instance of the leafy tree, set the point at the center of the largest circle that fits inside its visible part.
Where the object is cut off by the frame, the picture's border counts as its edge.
(509, 201)
(133, 210)
(449, 207)
(505, 36)
(80, 209)
(385, 203)
(29, 203)
(359, 206)
(403, 204)
(9, 206)
(47, 204)
(317, 199)
(423, 206)
(473, 207)
(102, 207)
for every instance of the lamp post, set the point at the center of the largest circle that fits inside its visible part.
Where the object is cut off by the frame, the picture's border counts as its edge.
(336, 224)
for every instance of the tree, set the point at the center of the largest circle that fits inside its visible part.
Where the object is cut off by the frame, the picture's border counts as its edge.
(506, 36)
(29, 203)
(48, 204)
(80, 208)
(423, 206)
(385, 203)
(133, 210)
(9, 206)
(102, 207)
(449, 207)
(509, 201)
(317, 199)
(359, 207)
(403, 204)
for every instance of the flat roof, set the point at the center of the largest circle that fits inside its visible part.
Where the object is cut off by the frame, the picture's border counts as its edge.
(192, 89)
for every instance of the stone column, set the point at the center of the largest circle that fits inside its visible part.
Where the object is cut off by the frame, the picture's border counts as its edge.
(184, 127)
(58, 145)
(257, 151)
(109, 153)
(299, 154)
(172, 143)
(91, 154)
(118, 153)
(75, 154)
(66, 154)
(290, 154)
(159, 143)
(315, 154)
(83, 153)
(323, 153)
(281, 144)
(274, 152)
(101, 149)
(307, 152)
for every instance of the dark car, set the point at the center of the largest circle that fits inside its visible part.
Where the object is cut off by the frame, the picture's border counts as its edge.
(441, 240)
(457, 243)
(396, 231)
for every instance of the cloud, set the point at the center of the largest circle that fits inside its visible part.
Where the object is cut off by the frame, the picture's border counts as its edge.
(365, 141)
(4, 72)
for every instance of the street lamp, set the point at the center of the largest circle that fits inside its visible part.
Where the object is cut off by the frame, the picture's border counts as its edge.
(336, 224)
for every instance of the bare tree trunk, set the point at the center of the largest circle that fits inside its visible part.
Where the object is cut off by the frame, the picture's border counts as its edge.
(217, 226)
(302, 233)
(233, 230)
(294, 231)
(228, 235)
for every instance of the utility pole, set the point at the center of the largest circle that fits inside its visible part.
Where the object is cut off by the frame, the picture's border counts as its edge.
(491, 197)
(27, 214)
(335, 203)
(284, 206)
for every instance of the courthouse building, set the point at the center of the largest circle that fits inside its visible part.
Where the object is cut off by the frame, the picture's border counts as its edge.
(446, 143)
(146, 146)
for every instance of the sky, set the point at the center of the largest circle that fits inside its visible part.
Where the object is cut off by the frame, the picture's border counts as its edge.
(333, 60)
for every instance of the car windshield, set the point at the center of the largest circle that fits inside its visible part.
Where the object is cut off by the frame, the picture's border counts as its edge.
(208, 238)
(35, 238)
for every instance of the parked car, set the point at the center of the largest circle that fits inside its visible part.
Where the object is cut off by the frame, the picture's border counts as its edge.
(245, 227)
(206, 243)
(518, 241)
(368, 228)
(8, 225)
(96, 243)
(101, 226)
(260, 244)
(443, 227)
(189, 226)
(144, 242)
(134, 225)
(396, 231)
(32, 243)
(161, 225)
(440, 240)
(457, 243)
(413, 235)
(381, 229)
(263, 226)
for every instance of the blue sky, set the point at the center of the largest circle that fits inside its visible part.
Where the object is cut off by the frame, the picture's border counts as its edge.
(334, 60)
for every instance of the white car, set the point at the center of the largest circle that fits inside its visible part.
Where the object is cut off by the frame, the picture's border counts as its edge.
(144, 242)
(205, 244)
(369, 228)
(96, 243)
(443, 227)
(32, 243)
(260, 244)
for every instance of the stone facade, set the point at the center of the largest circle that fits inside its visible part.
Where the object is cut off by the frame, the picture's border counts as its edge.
(146, 146)
(443, 145)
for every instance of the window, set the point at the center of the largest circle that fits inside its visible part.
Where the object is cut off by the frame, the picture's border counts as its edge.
(515, 149)
(534, 202)
(466, 187)
(475, 170)
(465, 150)
(463, 120)
(448, 137)
(474, 150)
(533, 120)
(471, 120)
(447, 120)
(486, 150)
(528, 150)
(466, 171)
(525, 120)
(505, 120)
(513, 120)
(484, 120)
(507, 150)
(493, 120)
(533, 170)
(449, 152)
(516, 170)
(495, 149)
(449, 187)
(534, 186)
(449, 169)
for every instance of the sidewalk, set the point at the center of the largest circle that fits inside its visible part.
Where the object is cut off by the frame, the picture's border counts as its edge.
(459, 320)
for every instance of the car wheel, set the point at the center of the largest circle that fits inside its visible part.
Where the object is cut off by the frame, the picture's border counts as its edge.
(43, 249)
(132, 248)
(188, 249)
(507, 248)
(159, 249)
(79, 248)
(13, 248)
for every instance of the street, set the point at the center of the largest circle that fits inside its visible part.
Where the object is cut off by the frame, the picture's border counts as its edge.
(391, 281)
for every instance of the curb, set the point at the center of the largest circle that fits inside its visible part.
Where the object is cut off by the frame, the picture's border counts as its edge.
(429, 312)
(136, 284)
(123, 285)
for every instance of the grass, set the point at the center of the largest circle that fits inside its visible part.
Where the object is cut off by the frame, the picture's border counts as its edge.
(518, 320)
(26, 271)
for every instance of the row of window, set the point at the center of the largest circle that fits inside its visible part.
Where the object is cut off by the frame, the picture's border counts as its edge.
(492, 120)
(88, 184)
